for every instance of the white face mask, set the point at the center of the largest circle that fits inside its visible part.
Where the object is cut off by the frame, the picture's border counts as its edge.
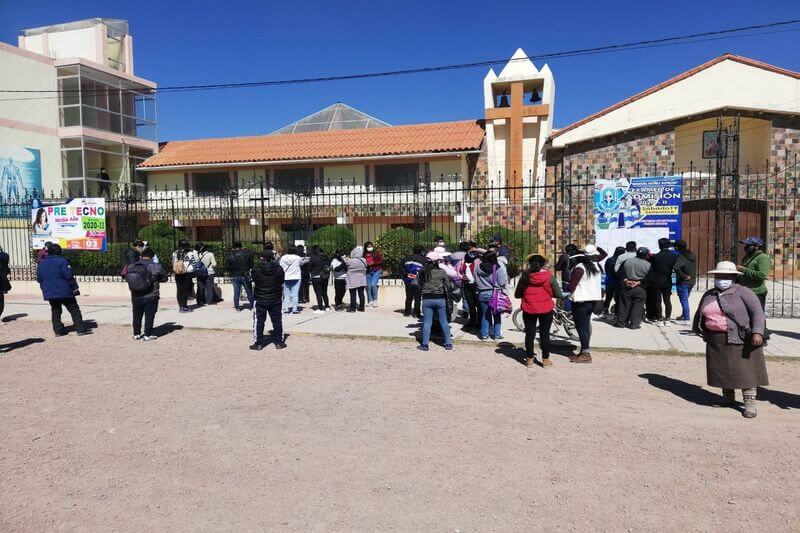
(370, 249)
(723, 284)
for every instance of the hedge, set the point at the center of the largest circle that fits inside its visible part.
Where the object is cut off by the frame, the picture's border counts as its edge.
(331, 238)
(394, 245)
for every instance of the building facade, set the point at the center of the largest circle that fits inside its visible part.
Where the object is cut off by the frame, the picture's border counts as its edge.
(92, 112)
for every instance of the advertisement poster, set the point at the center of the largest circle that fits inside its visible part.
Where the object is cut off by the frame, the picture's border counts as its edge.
(642, 209)
(76, 224)
(20, 172)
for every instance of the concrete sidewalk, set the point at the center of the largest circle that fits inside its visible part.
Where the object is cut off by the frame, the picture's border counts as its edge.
(386, 321)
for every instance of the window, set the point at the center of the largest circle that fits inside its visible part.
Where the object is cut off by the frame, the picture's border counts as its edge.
(396, 176)
(106, 103)
(209, 182)
(290, 180)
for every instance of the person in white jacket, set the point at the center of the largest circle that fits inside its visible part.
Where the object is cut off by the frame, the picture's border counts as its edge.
(290, 263)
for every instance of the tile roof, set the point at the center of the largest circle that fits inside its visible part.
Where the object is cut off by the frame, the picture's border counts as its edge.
(387, 141)
(676, 79)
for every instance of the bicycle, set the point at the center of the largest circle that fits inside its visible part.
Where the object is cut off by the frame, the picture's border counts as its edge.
(561, 320)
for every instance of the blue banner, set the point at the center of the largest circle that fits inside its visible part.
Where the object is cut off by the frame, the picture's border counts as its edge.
(642, 209)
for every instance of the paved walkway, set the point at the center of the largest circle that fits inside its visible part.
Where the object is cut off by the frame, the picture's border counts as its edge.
(387, 322)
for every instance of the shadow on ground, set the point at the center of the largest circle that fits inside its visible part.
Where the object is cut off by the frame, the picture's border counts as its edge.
(166, 328)
(686, 391)
(784, 400)
(6, 348)
(789, 334)
(12, 318)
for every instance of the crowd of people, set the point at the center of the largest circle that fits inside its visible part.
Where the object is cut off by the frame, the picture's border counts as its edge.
(630, 287)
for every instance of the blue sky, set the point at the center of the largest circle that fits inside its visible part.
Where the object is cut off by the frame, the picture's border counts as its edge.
(179, 42)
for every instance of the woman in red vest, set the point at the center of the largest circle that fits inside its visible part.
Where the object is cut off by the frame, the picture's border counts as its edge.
(537, 287)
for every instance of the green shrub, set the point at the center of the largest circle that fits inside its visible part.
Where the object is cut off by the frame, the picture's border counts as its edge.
(108, 263)
(394, 245)
(427, 238)
(333, 237)
(162, 237)
(520, 244)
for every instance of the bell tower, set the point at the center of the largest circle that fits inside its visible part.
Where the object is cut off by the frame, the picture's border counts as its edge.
(518, 110)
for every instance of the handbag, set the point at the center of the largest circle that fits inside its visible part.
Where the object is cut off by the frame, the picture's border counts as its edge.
(499, 302)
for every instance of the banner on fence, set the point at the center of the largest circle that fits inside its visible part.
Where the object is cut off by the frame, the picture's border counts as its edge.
(76, 224)
(20, 172)
(642, 209)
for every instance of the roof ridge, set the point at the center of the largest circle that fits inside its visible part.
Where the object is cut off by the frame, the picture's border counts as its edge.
(330, 132)
(673, 80)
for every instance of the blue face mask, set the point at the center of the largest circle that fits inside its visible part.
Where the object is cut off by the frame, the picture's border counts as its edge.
(723, 284)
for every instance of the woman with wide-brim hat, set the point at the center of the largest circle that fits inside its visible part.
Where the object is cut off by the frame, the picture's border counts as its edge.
(731, 322)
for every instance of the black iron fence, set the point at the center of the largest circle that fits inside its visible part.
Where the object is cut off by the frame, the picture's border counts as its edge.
(528, 219)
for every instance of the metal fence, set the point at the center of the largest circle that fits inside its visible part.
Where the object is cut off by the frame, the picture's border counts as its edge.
(717, 213)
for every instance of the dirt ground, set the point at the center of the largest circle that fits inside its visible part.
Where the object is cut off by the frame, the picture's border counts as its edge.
(195, 432)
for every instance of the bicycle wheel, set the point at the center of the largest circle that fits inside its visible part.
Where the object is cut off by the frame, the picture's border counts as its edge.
(517, 319)
(569, 327)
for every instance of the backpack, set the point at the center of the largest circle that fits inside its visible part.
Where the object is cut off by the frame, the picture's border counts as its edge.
(199, 268)
(139, 278)
(178, 266)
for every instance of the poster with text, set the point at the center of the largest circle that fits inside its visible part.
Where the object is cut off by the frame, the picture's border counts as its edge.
(642, 209)
(20, 172)
(76, 224)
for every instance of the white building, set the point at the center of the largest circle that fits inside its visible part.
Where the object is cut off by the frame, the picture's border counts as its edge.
(92, 112)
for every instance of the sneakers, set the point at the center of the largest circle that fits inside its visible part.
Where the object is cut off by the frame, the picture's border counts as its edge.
(530, 361)
(581, 358)
(423, 348)
(184, 310)
(547, 363)
(483, 338)
(149, 337)
(84, 332)
(60, 333)
(448, 347)
(138, 337)
(280, 345)
(256, 347)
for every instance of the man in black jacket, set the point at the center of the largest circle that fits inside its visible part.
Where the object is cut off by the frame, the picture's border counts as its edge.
(659, 282)
(685, 277)
(267, 278)
(144, 300)
(238, 265)
(320, 270)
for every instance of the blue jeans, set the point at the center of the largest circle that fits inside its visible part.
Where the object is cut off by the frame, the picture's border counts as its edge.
(238, 283)
(684, 290)
(488, 318)
(372, 285)
(567, 303)
(429, 307)
(291, 293)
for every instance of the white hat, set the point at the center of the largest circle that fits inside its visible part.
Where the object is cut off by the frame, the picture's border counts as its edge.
(433, 256)
(725, 267)
(441, 251)
(590, 249)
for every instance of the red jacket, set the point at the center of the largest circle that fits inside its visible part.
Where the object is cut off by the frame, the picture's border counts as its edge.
(538, 296)
(374, 260)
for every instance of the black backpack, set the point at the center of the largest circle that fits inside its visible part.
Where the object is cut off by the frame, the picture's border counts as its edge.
(139, 278)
